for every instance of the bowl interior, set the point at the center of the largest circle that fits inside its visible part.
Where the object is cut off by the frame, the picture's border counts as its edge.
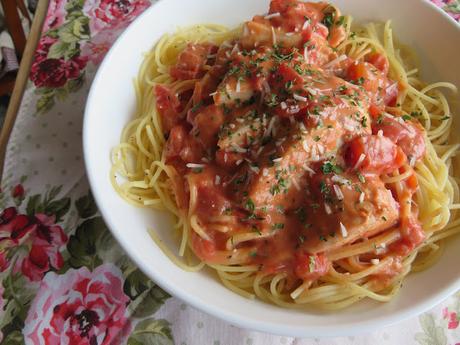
(111, 104)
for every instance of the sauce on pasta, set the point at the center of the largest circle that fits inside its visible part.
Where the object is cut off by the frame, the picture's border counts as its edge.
(304, 160)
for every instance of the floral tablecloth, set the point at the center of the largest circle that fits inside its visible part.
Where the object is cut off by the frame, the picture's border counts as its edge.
(64, 280)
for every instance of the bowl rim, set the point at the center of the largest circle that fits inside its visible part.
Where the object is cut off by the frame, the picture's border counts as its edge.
(240, 319)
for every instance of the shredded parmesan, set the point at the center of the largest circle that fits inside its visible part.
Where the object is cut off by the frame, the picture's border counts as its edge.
(349, 127)
(335, 61)
(310, 170)
(412, 161)
(238, 86)
(273, 35)
(305, 54)
(312, 91)
(255, 169)
(194, 165)
(306, 24)
(277, 160)
(361, 159)
(361, 197)
(295, 183)
(272, 15)
(343, 230)
(338, 192)
(217, 180)
(238, 149)
(339, 179)
(211, 56)
(300, 98)
(305, 146)
(380, 133)
(213, 94)
(327, 208)
(375, 261)
(239, 161)
(265, 172)
(283, 105)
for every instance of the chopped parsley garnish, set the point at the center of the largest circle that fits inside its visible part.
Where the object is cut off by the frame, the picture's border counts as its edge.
(364, 121)
(379, 119)
(253, 254)
(273, 102)
(329, 168)
(317, 138)
(445, 118)
(249, 205)
(361, 178)
(301, 213)
(360, 81)
(322, 238)
(233, 70)
(324, 188)
(342, 88)
(301, 238)
(384, 218)
(280, 57)
(406, 117)
(278, 226)
(312, 263)
(328, 20)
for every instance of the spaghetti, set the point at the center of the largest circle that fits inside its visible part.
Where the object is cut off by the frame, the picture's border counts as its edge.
(305, 163)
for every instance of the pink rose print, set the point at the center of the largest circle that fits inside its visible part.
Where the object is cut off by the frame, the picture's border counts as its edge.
(56, 15)
(38, 242)
(99, 45)
(53, 73)
(452, 7)
(2, 305)
(18, 191)
(452, 318)
(79, 308)
(113, 14)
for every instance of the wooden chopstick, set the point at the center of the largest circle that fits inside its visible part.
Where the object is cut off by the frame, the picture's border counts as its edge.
(22, 77)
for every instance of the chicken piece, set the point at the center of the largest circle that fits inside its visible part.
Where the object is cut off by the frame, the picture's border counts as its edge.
(347, 211)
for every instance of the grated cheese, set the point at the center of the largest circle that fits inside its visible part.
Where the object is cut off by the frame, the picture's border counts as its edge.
(375, 261)
(217, 180)
(300, 98)
(361, 159)
(343, 230)
(195, 165)
(338, 192)
(361, 197)
(272, 15)
(327, 208)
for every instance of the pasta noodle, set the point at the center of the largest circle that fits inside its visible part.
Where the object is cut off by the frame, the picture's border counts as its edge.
(142, 176)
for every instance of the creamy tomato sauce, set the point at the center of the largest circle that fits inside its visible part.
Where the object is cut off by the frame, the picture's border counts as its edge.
(285, 145)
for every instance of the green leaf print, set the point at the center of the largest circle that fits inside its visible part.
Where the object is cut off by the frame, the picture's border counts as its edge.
(152, 332)
(48, 204)
(146, 295)
(84, 244)
(86, 206)
(433, 335)
(14, 338)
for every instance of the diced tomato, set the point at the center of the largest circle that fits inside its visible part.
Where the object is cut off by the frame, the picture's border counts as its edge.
(366, 75)
(412, 235)
(375, 111)
(412, 182)
(181, 145)
(380, 61)
(310, 266)
(168, 105)
(228, 159)
(295, 12)
(380, 154)
(207, 123)
(204, 249)
(288, 74)
(406, 134)
(191, 61)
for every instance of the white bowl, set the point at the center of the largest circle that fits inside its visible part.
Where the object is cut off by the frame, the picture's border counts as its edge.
(111, 103)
